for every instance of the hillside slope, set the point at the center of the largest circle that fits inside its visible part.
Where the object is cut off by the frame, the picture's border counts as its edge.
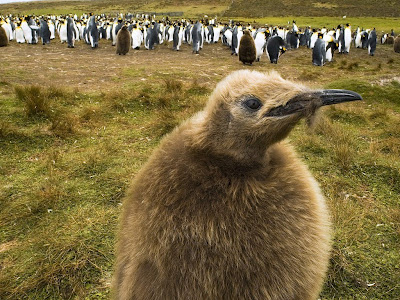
(262, 8)
(225, 8)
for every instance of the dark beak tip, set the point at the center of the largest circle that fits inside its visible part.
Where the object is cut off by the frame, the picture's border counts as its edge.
(329, 97)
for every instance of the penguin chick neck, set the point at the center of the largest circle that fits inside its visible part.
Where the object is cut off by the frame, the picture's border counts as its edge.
(249, 112)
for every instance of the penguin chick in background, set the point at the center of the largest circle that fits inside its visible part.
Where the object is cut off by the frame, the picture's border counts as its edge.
(123, 40)
(224, 208)
(247, 48)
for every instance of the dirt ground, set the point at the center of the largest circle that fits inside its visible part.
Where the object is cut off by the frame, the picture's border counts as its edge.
(102, 70)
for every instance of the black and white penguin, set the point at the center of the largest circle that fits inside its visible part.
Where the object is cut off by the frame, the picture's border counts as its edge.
(357, 39)
(19, 34)
(372, 42)
(302, 39)
(44, 32)
(27, 31)
(341, 40)
(93, 33)
(196, 37)
(235, 42)
(188, 36)
(364, 39)
(347, 38)
(383, 38)
(178, 36)
(331, 47)
(260, 43)
(137, 37)
(275, 48)
(292, 40)
(71, 34)
(63, 31)
(319, 52)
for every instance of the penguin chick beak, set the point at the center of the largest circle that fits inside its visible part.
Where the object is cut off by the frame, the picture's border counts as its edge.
(307, 103)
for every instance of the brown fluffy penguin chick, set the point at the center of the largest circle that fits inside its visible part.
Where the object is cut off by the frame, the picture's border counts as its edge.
(123, 40)
(3, 37)
(247, 48)
(224, 209)
(397, 44)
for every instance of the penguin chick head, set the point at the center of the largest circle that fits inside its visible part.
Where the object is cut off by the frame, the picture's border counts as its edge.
(249, 111)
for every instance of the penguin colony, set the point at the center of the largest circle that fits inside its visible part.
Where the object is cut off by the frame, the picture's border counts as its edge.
(145, 31)
(224, 209)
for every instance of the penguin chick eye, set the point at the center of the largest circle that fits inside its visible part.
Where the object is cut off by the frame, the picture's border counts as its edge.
(253, 103)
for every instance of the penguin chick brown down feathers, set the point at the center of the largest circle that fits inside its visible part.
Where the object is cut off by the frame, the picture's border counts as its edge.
(247, 48)
(397, 44)
(3, 37)
(224, 209)
(123, 40)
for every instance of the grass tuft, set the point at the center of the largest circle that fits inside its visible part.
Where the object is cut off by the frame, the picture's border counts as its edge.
(36, 102)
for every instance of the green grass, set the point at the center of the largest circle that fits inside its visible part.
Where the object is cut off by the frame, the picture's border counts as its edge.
(61, 193)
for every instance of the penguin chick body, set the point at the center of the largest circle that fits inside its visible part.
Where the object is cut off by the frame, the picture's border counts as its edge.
(123, 40)
(224, 209)
(3, 37)
(247, 48)
(396, 45)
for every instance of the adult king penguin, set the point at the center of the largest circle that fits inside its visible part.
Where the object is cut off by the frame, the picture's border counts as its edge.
(93, 33)
(319, 51)
(137, 37)
(347, 38)
(275, 48)
(372, 42)
(44, 32)
(71, 34)
(224, 208)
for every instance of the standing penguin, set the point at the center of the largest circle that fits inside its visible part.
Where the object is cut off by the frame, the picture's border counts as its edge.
(44, 32)
(71, 34)
(372, 42)
(93, 33)
(364, 39)
(63, 32)
(347, 38)
(331, 47)
(341, 41)
(357, 40)
(196, 37)
(137, 37)
(3, 37)
(19, 34)
(313, 38)
(52, 29)
(260, 42)
(175, 36)
(292, 40)
(224, 208)
(27, 31)
(396, 45)
(275, 48)
(319, 52)
(247, 48)
(123, 40)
